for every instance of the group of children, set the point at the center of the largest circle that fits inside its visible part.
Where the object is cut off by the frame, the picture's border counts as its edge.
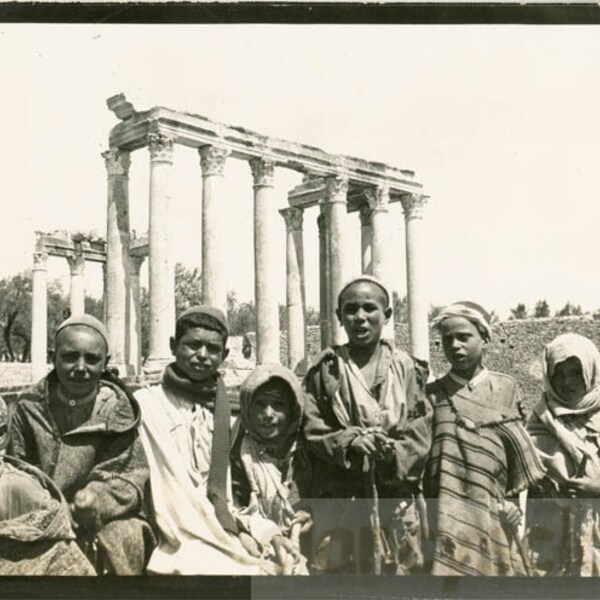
(365, 467)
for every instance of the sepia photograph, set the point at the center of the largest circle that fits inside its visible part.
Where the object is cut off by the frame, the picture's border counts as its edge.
(299, 309)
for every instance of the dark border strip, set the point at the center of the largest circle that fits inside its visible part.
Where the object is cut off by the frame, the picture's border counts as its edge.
(448, 13)
(117, 588)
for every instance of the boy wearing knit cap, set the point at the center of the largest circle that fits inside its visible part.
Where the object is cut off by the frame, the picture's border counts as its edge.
(79, 426)
(186, 421)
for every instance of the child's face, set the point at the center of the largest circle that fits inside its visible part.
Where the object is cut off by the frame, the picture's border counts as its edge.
(270, 414)
(81, 356)
(199, 353)
(567, 380)
(363, 312)
(462, 343)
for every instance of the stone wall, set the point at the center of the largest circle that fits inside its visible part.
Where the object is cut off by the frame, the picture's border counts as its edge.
(14, 374)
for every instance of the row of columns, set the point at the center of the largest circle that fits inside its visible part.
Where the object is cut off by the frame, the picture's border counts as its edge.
(39, 320)
(39, 310)
(122, 313)
(376, 256)
(122, 270)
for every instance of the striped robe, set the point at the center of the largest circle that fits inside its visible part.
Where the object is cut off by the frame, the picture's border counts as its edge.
(480, 454)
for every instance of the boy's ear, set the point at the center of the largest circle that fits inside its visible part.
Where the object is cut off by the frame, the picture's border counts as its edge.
(338, 314)
(106, 361)
(225, 354)
(388, 313)
(173, 345)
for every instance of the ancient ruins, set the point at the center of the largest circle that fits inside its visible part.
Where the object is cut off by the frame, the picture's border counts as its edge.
(336, 184)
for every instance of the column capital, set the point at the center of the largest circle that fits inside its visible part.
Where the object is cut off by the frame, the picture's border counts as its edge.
(412, 205)
(293, 218)
(136, 263)
(117, 162)
(76, 263)
(160, 146)
(337, 189)
(263, 172)
(40, 261)
(378, 197)
(212, 159)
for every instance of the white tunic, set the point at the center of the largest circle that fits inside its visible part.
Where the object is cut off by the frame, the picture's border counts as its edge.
(177, 438)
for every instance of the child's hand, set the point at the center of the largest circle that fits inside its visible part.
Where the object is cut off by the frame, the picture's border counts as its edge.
(582, 486)
(85, 509)
(364, 444)
(250, 544)
(510, 514)
(304, 519)
(385, 447)
(285, 553)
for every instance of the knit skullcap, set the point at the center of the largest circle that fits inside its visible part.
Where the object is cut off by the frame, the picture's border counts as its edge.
(85, 321)
(207, 316)
(367, 279)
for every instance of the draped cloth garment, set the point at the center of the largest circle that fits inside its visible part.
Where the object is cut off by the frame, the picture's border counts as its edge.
(177, 437)
(270, 468)
(342, 406)
(480, 454)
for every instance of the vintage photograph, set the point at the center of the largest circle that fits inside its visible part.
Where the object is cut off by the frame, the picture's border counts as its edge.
(299, 300)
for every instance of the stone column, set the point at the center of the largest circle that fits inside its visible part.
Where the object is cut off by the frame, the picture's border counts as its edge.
(134, 356)
(295, 291)
(366, 239)
(324, 278)
(161, 267)
(265, 251)
(214, 235)
(337, 190)
(104, 292)
(39, 316)
(382, 249)
(77, 293)
(117, 254)
(418, 304)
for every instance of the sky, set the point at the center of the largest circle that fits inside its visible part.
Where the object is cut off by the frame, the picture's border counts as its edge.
(500, 123)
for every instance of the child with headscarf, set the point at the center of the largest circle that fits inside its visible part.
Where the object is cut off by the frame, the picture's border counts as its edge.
(270, 470)
(481, 455)
(565, 426)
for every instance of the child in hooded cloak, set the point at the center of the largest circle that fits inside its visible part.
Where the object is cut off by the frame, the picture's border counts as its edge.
(270, 470)
(36, 534)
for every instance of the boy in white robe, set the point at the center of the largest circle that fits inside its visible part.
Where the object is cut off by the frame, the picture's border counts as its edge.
(185, 431)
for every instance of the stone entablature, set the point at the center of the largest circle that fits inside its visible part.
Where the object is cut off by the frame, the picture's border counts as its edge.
(197, 131)
(67, 245)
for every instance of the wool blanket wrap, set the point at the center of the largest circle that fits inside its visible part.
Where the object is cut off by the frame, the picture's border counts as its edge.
(480, 454)
(39, 541)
